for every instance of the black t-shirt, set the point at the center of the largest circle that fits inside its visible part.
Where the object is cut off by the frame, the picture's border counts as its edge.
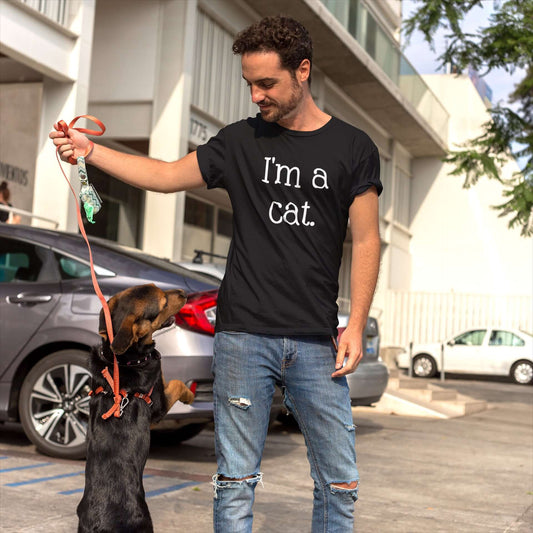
(290, 192)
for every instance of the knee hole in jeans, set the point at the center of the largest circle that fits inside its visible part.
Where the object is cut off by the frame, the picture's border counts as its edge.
(345, 486)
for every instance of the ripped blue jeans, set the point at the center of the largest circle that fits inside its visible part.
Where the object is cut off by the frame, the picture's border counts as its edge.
(246, 369)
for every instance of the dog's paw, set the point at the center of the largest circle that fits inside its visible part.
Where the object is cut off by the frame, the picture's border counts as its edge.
(176, 390)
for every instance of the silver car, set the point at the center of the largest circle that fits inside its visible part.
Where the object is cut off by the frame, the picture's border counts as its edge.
(49, 322)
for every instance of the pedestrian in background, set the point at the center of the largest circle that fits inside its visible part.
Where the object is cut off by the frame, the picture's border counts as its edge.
(7, 216)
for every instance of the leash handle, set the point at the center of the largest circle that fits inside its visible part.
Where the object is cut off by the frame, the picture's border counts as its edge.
(62, 126)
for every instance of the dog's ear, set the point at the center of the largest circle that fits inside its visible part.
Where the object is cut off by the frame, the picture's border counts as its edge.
(130, 331)
(102, 327)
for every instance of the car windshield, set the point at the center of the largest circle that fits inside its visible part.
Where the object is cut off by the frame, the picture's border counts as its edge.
(152, 260)
(214, 279)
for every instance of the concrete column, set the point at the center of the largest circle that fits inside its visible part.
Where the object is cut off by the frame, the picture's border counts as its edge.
(63, 100)
(163, 215)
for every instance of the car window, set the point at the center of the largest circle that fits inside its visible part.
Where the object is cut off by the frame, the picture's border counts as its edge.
(71, 269)
(471, 338)
(25, 262)
(505, 338)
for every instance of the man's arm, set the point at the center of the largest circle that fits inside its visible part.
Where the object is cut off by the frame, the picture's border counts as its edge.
(139, 171)
(364, 224)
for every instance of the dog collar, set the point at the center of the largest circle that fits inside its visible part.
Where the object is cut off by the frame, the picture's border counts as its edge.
(153, 354)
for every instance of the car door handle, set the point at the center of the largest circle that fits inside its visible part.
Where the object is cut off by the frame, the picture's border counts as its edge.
(28, 298)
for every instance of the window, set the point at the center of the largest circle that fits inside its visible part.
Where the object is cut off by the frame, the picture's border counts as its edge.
(71, 269)
(119, 220)
(471, 338)
(207, 228)
(505, 338)
(25, 262)
(198, 213)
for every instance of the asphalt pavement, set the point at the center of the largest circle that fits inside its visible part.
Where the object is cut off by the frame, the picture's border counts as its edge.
(470, 474)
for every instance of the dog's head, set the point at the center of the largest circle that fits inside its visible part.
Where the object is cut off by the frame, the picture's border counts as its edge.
(138, 312)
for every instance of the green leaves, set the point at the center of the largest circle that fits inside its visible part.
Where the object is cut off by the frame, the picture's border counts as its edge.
(507, 42)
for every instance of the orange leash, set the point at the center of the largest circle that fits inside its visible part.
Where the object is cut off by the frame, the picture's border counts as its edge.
(117, 407)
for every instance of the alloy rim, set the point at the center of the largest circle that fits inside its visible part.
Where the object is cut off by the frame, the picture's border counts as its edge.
(423, 367)
(523, 373)
(59, 405)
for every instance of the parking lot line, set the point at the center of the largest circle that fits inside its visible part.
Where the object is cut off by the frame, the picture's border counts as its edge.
(69, 492)
(159, 476)
(12, 469)
(42, 479)
(172, 488)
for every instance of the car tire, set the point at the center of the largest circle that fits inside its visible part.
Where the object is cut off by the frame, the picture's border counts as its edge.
(522, 372)
(424, 366)
(54, 404)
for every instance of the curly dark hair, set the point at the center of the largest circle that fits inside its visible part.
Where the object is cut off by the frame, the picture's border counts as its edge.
(283, 35)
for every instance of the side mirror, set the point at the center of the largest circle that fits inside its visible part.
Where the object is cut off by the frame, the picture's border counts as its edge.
(451, 343)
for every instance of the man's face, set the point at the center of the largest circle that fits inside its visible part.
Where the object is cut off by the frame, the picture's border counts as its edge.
(274, 89)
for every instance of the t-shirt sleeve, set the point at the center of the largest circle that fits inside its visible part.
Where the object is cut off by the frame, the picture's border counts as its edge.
(366, 174)
(212, 160)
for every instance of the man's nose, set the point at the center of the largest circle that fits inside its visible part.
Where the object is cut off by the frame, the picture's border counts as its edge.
(257, 94)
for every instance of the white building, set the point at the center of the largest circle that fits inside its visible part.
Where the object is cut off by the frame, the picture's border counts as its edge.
(161, 76)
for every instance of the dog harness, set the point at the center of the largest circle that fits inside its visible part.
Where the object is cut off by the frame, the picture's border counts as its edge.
(123, 394)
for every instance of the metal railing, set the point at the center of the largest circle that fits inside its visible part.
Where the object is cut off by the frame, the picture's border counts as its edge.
(385, 51)
(56, 10)
(29, 215)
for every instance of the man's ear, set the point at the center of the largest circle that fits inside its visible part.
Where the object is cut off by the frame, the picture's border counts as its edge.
(304, 70)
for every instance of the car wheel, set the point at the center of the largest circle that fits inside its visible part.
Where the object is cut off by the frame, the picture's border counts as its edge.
(424, 366)
(54, 404)
(522, 372)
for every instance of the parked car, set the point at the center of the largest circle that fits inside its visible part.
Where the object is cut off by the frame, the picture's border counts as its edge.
(485, 350)
(49, 321)
(368, 383)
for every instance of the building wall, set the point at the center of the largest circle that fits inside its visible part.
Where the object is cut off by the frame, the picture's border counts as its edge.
(162, 77)
(20, 107)
(459, 243)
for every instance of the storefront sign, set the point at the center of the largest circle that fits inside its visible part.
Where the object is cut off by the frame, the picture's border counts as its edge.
(201, 130)
(13, 174)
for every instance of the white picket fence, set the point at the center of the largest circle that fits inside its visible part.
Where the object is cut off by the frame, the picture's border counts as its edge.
(430, 317)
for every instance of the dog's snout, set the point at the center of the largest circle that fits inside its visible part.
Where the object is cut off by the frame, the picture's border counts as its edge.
(169, 321)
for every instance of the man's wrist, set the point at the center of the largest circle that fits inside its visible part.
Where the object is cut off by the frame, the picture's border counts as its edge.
(89, 152)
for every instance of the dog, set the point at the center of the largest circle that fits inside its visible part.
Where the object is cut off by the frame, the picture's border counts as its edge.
(117, 447)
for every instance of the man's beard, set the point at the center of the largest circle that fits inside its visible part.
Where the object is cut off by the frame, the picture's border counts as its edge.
(280, 111)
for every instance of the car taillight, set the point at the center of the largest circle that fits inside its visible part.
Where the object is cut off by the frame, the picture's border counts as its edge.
(199, 313)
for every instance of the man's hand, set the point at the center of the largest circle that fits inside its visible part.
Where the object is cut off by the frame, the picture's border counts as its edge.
(74, 145)
(351, 349)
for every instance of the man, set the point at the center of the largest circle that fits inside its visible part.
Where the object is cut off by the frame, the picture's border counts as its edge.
(294, 175)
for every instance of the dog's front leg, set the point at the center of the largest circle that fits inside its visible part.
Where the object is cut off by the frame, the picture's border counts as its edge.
(177, 390)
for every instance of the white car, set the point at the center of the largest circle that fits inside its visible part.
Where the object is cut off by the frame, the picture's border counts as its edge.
(484, 350)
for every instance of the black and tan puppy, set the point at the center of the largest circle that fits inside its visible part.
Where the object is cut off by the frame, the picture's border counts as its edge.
(117, 448)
